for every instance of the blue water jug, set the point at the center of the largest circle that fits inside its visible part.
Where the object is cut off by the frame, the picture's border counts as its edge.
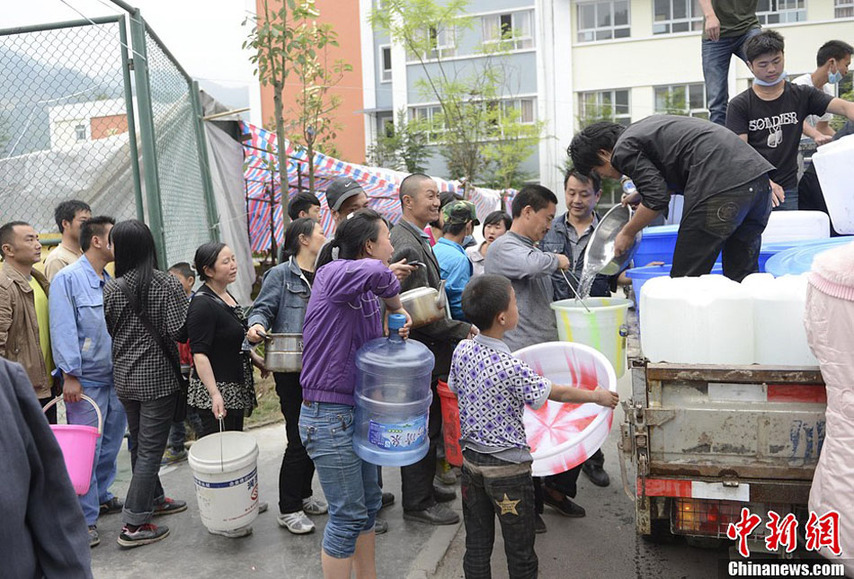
(392, 398)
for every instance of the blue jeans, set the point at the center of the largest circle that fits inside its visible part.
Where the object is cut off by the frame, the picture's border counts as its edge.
(107, 447)
(716, 60)
(791, 202)
(349, 483)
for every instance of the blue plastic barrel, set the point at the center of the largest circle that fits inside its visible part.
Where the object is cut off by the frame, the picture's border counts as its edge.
(657, 244)
(392, 398)
(798, 260)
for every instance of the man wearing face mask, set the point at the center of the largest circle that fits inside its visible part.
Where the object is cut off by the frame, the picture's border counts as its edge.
(770, 114)
(833, 60)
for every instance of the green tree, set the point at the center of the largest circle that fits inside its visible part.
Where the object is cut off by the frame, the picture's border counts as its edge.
(509, 147)
(313, 126)
(270, 36)
(466, 118)
(402, 147)
(846, 92)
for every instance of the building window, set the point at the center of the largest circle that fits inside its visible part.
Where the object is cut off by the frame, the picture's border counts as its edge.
(676, 16)
(843, 8)
(385, 124)
(603, 20)
(442, 42)
(385, 63)
(516, 28)
(682, 99)
(80, 132)
(523, 109)
(612, 105)
(432, 118)
(779, 11)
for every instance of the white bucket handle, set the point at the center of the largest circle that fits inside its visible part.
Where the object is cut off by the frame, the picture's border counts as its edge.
(87, 399)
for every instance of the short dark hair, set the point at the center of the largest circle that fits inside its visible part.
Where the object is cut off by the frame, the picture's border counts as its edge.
(411, 185)
(835, 49)
(7, 233)
(484, 298)
(593, 179)
(497, 217)
(301, 202)
(184, 269)
(68, 210)
(454, 228)
(206, 256)
(94, 226)
(537, 196)
(766, 42)
(586, 144)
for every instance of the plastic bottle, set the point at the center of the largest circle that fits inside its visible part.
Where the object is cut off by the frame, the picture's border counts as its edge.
(628, 186)
(392, 398)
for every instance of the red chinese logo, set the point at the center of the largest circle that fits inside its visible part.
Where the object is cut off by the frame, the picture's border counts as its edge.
(782, 532)
(823, 531)
(742, 529)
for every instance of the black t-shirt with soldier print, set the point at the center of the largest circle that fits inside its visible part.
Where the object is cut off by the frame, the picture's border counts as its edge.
(774, 128)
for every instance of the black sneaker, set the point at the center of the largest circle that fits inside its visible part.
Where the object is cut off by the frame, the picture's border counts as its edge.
(142, 535)
(388, 500)
(564, 506)
(596, 474)
(112, 506)
(443, 494)
(94, 539)
(169, 506)
(380, 526)
(539, 525)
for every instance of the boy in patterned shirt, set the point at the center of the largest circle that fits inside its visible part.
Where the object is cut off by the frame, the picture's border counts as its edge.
(493, 387)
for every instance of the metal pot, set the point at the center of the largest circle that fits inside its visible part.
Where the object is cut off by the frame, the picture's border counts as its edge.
(283, 352)
(425, 304)
(599, 257)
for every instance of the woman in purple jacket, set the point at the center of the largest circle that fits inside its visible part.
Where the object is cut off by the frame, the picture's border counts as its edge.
(343, 314)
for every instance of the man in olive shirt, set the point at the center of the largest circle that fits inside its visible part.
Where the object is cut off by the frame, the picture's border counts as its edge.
(728, 24)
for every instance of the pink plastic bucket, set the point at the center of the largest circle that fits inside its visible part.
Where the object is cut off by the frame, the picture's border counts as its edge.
(562, 436)
(78, 447)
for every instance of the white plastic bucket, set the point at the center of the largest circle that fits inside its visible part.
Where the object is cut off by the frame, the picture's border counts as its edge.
(225, 470)
(834, 165)
(562, 436)
(601, 325)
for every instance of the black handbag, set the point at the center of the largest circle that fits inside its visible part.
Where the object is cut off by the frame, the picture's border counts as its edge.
(181, 405)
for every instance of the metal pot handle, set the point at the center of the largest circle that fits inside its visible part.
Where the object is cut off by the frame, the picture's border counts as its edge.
(442, 298)
(87, 399)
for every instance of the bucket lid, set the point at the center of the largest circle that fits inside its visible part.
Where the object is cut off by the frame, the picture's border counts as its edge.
(799, 259)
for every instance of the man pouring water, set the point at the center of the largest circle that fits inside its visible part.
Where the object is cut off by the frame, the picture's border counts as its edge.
(724, 182)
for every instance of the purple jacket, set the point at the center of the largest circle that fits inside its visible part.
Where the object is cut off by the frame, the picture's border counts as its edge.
(343, 314)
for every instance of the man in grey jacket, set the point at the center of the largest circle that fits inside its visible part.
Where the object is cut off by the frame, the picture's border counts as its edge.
(43, 532)
(515, 255)
(419, 200)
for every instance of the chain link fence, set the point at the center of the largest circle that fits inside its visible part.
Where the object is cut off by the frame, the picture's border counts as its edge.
(98, 110)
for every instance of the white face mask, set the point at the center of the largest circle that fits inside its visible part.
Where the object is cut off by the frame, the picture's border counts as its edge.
(761, 82)
(834, 77)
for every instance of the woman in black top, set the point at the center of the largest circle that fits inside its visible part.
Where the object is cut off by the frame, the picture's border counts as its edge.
(222, 385)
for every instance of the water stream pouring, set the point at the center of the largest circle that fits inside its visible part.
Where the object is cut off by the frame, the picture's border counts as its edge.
(575, 291)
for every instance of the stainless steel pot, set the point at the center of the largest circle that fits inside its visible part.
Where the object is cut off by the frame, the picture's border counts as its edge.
(283, 352)
(425, 304)
(599, 257)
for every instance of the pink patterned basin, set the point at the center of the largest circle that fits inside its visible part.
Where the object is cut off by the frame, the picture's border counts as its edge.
(563, 436)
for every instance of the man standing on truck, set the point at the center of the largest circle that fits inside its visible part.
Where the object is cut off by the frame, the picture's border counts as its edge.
(724, 182)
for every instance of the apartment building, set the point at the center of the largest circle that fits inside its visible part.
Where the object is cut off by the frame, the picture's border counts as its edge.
(579, 59)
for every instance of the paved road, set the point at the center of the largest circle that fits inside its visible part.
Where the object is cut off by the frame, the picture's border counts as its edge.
(409, 549)
(602, 544)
